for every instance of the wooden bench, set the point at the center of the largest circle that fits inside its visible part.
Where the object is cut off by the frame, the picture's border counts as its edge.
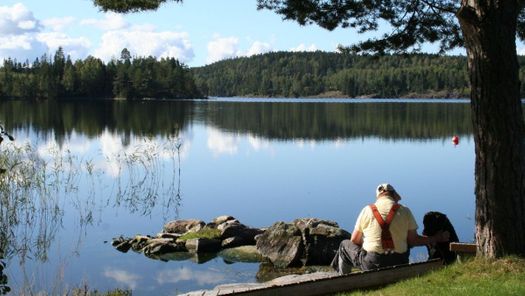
(463, 250)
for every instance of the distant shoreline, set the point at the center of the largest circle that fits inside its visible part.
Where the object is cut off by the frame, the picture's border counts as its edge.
(322, 96)
(338, 95)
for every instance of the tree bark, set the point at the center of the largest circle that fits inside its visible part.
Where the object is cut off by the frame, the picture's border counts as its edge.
(489, 30)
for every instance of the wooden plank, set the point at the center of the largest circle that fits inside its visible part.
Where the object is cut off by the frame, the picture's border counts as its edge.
(341, 283)
(463, 248)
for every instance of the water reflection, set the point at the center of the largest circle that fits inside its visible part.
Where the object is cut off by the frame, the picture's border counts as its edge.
(61, 120)
(319, 121)
(284, 121)
(205, 277)
(128, 279)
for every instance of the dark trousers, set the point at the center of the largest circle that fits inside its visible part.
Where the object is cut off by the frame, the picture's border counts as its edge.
(351, 255)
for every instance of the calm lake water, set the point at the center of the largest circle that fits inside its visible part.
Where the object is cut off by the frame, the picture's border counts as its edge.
(98, 170)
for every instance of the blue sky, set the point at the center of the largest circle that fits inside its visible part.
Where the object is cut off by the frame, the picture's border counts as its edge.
(196, 32)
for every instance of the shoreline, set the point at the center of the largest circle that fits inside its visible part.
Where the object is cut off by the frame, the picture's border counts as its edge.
(322, 96)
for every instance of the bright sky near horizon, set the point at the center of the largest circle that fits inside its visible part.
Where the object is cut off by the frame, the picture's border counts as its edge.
(197, 32)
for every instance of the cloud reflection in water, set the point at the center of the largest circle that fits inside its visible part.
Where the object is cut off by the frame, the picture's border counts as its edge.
(207, 277)
(123, 277)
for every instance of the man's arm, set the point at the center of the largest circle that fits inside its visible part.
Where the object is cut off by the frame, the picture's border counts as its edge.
(357, 237)
(415, 239)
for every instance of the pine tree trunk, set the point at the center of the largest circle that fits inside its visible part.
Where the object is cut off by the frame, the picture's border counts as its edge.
(489, 29)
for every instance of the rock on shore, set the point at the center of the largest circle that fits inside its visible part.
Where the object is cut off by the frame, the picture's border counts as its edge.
(306, 241)
(303, 242)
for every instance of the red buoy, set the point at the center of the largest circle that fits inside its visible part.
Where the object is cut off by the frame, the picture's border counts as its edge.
(455, 140)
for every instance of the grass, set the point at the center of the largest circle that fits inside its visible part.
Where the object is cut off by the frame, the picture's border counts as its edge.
(477, 277)
(203, 233)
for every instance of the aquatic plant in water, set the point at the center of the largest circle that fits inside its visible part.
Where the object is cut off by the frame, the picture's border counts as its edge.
(35, 189)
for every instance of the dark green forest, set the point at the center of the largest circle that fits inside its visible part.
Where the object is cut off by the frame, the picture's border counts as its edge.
(277, 74)
(300, 74)
(58, 77)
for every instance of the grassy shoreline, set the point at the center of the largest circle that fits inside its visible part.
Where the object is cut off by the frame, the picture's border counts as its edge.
(477, 277)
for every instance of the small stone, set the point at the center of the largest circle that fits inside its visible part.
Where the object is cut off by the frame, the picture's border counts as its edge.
(229, 223)
(183, 226)
(222, 219)
(121, 244)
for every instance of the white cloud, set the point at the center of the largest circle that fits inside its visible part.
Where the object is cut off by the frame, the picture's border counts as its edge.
(222, 143)
(58, 23)
(303, 47)
(22, 36)
(124, 277)
(259, 47)
(75, 47)
(21, 47)
(112, 21)
(17, 19)
(222, 48)
(186, 274)
(144, 41)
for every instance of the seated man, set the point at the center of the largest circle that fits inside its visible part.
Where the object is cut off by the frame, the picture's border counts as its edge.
(383, 233)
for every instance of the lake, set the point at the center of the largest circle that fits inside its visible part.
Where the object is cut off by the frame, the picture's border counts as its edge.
(82, 173)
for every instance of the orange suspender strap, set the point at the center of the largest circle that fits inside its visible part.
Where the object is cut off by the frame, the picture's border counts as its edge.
(386, 237)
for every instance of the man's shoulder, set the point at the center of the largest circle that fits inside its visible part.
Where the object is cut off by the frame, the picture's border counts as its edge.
(405, 211)
(404, 208)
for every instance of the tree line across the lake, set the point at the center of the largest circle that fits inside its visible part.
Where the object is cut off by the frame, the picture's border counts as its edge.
(301, 74)
(131, 78)
(312, 73)
(277, 74)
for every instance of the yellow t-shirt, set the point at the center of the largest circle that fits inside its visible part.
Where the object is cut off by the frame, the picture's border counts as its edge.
(401, 224)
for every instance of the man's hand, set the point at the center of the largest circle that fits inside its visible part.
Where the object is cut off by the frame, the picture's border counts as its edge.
(441, 236)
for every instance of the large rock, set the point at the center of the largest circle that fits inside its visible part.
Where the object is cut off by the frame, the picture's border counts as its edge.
(321, 240)
(306, 241)
(183, 226)
(281, 244)
(241, 231)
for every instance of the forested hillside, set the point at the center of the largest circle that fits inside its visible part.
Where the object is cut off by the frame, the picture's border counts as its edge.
(287, 74)
(131, 78)
(278, 74)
